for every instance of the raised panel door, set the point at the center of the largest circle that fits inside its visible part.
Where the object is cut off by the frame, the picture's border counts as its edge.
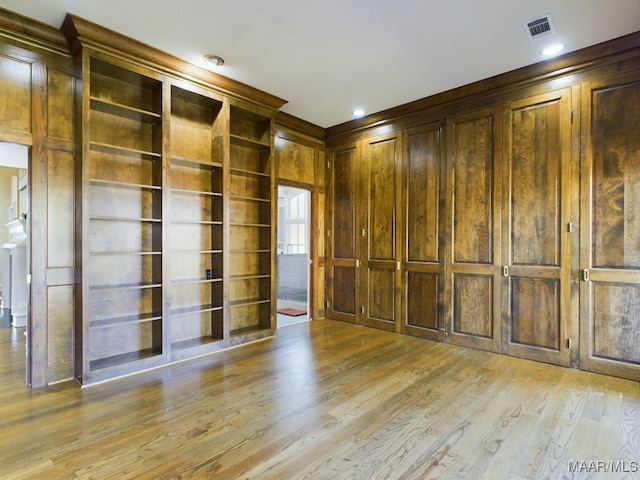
(473, 252)
(536, 213)
(342, 283)
(422, 264)
(610, 225)
(382, 165)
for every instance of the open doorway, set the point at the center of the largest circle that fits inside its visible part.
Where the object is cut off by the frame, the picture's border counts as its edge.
(14, 211)
(294, 213)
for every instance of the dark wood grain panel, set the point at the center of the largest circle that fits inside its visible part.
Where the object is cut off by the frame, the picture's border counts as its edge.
(616, 194)
(60, 105)
(382, 161)
(616, 322)
(61, 308)
(609, 292)
(473, 167)
(535, 312)
(344, 204)
(422, 195)
(473, 305)
(60, 207)
(15, 91)
(535, 190)
(422, 300)
(537, 205)
(344, 290)
(296, 161)
(381, 295)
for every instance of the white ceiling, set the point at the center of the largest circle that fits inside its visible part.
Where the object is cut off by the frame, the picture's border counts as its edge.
(328, 57)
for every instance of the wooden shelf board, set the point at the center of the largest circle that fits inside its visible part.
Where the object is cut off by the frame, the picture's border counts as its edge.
(249, 277)
(128, 320)
(260, 225)
(100, 363)
(130, 253)
(194, 222)
(125, 219)
(126, 286)
(119, 109)
(195, 162)
(184, 281)
(195, 342)
(184, 191)
(251, 251)
(195, 309)
(125, 150)
(249, 142)
(242, 171)
(245, 330)
(248, 301)
(249, 199)
(135, 186)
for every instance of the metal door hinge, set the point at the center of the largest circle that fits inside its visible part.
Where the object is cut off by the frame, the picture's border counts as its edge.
(357, 263)
(505, 271)
(571, 116)
(362, 309)
(328, 233)
(585, 275)
(364, 232)
(569, 343)
(570, 227)
(398, 266)
(28, 279)
(326, 304)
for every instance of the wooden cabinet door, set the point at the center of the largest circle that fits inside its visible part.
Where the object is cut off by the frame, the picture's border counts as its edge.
(343, 251)
(610, 228)
(382, 164)
(473, 250)
(423, 275)
(536, 239)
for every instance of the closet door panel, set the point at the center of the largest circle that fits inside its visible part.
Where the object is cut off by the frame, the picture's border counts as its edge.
(342, 281)
(422, 266)
(473, 157)
(536, 241)
(381, 164)
(610, 245)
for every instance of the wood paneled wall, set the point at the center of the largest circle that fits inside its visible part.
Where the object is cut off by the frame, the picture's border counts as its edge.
(37, 110)
(512, 227)
(300, 162)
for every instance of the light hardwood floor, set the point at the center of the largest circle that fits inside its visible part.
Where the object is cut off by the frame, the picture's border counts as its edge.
(324, 400)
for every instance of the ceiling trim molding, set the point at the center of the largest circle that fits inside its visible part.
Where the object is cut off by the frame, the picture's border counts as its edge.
(83, 33)
(568, 64)
(32, 32)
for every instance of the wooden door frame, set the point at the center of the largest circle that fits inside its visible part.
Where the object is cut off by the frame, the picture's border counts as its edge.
(313, 226)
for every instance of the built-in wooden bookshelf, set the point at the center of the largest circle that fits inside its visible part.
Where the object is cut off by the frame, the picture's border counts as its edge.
(196, 222)
(122, 217)
(176, 214)
(250, 222)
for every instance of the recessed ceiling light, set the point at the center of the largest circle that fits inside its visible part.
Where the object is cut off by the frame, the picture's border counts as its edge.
(213, 60)
(358, 112)
(552, 50)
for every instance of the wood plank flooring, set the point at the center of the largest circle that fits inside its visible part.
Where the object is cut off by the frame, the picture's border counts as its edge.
(325, 400)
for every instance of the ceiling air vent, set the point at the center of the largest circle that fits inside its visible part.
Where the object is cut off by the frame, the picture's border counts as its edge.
(540, 27)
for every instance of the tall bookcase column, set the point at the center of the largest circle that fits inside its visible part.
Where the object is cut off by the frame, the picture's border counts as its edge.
(251, 219)
(198, 144)
(175, 182)
(121, 328)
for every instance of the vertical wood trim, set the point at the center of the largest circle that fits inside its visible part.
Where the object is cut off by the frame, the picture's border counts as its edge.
(37, 326)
